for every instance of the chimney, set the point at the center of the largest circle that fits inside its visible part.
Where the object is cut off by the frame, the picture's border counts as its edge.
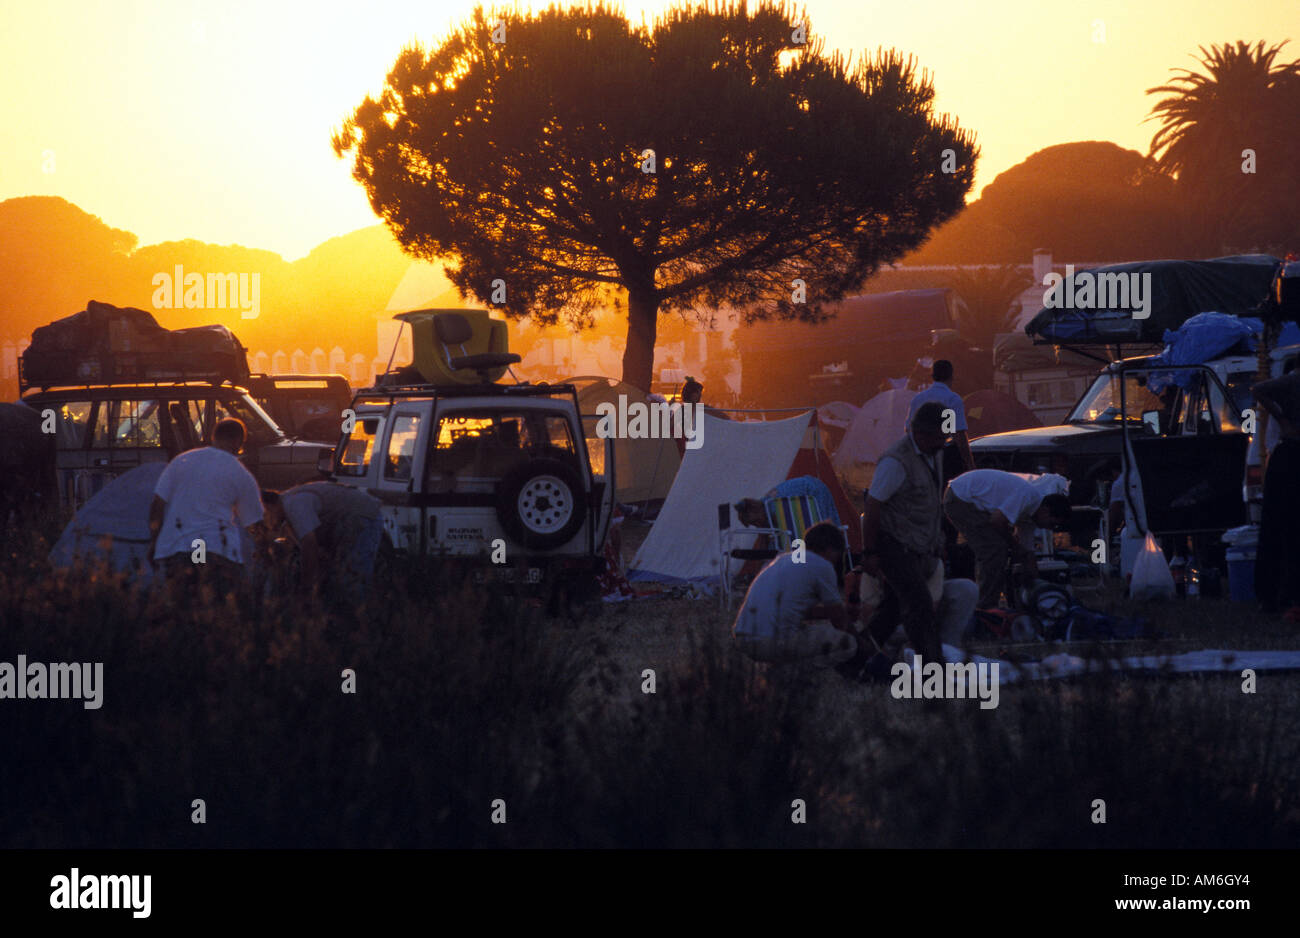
(1042, 264)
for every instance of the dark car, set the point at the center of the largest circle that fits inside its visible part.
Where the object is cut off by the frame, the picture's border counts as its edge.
(104, 430)
(1183, 429)
(309, 407)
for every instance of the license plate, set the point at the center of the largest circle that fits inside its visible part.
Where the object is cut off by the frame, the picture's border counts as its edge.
(508, 575)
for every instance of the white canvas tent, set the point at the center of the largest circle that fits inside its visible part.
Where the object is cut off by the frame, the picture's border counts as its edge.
(644, 468)
(738, 459)
(879, 424)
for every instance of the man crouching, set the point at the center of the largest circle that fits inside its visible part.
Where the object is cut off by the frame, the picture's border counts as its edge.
(793, 611)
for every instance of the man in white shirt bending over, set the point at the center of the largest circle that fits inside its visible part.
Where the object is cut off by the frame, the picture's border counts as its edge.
(206, 495)
(998, 512)
(794, 612)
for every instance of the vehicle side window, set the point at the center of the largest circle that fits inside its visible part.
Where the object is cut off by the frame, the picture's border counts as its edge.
(1226, 415)
(595, 445)
(72, 418)
(133, 424)
(558, 434)
(192, 413)
(139, 424)
(359, 447)
(105, 420)
(401, 447)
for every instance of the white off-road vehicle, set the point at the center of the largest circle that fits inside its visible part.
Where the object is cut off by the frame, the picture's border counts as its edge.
(467, 468)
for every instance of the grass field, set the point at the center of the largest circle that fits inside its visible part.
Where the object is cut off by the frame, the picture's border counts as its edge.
(463, 698)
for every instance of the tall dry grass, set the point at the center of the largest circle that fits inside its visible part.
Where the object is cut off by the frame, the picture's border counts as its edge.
(465, 695)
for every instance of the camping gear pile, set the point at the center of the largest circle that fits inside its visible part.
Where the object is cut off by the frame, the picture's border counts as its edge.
(106, 344)
(1179, 290)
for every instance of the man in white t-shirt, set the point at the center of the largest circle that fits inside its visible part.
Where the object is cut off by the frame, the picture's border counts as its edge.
(206, 495)
(794, 612)
(998, 512)
(941, 392)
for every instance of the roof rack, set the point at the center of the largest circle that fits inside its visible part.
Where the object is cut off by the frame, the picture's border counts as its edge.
(393, 392)
(195, 383)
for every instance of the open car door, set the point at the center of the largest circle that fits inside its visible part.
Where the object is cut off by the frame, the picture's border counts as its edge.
(1190, 458)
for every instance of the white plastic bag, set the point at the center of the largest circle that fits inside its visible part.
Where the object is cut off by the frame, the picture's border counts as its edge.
(1151, 576)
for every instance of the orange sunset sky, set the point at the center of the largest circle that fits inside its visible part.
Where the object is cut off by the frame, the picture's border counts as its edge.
(176, 119)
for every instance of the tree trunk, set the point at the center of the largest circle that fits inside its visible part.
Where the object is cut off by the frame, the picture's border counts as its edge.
(642, 326)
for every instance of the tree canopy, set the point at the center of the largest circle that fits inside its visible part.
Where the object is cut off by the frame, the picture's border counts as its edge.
(1085, 201)
(710, 158)
(1228, 135)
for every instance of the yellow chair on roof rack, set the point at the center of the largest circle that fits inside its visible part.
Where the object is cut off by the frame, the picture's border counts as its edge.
(458, 346)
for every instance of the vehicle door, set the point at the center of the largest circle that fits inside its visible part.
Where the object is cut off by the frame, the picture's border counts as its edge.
(602, 460)
(1190, 456)
(80, 471)
(126, 433)
(402, 464)
(469, 451)
(356, 464)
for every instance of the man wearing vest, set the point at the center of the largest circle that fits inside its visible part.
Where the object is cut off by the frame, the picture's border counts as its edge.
(902, 539)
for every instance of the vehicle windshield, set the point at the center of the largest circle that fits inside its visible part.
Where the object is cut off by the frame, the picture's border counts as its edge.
(1100, 404)
(261, 429)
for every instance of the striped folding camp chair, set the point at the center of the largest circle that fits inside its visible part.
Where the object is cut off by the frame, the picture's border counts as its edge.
(727, 539)
(795, 514)
(788, 518)
(792, 515)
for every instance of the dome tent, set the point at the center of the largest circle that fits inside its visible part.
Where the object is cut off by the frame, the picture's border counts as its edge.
(644, 468)
(989, 412)
(879, 424)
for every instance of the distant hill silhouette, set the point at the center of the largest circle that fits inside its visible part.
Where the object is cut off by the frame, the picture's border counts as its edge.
(1090, 200)
(54, 257)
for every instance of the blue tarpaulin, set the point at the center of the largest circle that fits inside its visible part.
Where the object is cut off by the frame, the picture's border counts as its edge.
(1207, 336)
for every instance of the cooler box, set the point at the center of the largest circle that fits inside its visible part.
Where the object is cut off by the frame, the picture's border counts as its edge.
(1241, 575)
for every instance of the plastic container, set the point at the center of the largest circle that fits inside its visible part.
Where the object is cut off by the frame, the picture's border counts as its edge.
(1241, 575)
(1245, 537)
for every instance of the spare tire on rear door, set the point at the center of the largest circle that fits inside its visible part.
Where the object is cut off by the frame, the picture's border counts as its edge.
(541, 503)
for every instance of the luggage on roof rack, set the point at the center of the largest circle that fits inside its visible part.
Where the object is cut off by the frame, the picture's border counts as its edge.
(106, 344)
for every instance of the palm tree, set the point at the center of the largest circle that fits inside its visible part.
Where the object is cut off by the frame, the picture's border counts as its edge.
(1244, 99)
(990, 294)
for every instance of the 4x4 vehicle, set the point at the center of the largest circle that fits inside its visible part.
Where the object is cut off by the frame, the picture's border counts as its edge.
(1178, 423)
(104, 430)
(125, 391)
(1187, 401)
(309, 407)
(465, 467)
(460, 469)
